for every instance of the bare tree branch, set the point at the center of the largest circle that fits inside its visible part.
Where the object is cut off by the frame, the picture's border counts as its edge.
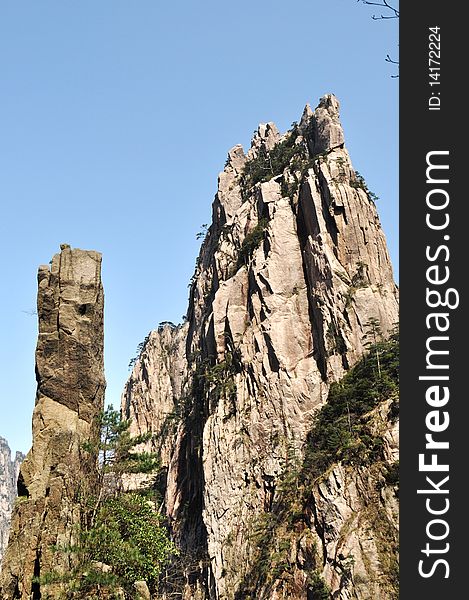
(382, 17)
(393, 62)
(384, 4)
(390, 60)
(393, 14)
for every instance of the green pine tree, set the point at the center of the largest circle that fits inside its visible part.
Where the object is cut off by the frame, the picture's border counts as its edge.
(123, 537)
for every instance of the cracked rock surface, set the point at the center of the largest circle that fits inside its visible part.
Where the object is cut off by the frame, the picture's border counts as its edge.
(293, 270)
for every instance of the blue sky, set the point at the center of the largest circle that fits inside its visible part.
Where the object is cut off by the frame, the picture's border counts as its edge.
(115, 119)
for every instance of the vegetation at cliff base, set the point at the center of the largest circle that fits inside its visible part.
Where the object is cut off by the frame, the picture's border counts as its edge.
(128, 535)
(123, 537)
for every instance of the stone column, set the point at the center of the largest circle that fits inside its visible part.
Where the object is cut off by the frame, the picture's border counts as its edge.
(57, 472)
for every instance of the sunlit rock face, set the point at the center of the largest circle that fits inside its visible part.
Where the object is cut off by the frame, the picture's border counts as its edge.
(292, 272)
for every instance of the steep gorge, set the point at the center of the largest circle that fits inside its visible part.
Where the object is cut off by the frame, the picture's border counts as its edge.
(292, 282)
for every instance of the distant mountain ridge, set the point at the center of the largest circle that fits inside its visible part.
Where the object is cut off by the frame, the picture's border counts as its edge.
(9, 470)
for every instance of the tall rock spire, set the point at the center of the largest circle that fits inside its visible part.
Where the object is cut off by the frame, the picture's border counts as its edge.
(70, 394)
(292, 279)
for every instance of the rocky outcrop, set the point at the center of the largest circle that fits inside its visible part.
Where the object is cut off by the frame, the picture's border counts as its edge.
(356, 519)
(152, 394)
(292, 281)
(9, 470)
(70, 389)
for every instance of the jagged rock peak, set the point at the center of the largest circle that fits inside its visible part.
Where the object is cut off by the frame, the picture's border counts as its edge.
(9, 469)
(291, 281)
(265, 137)
(236, 159)
(70, 395)
(327, 132)
(320, 130)
(322, 126)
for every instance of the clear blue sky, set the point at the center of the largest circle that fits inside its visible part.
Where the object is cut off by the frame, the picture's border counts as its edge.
(115, 119)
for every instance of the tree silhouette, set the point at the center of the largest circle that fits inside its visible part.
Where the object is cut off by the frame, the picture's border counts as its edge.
(392, 14)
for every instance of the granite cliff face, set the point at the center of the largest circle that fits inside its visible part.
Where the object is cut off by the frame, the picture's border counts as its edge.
(9, 470)
(70, 392)
(292, 279)
(278, 440)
